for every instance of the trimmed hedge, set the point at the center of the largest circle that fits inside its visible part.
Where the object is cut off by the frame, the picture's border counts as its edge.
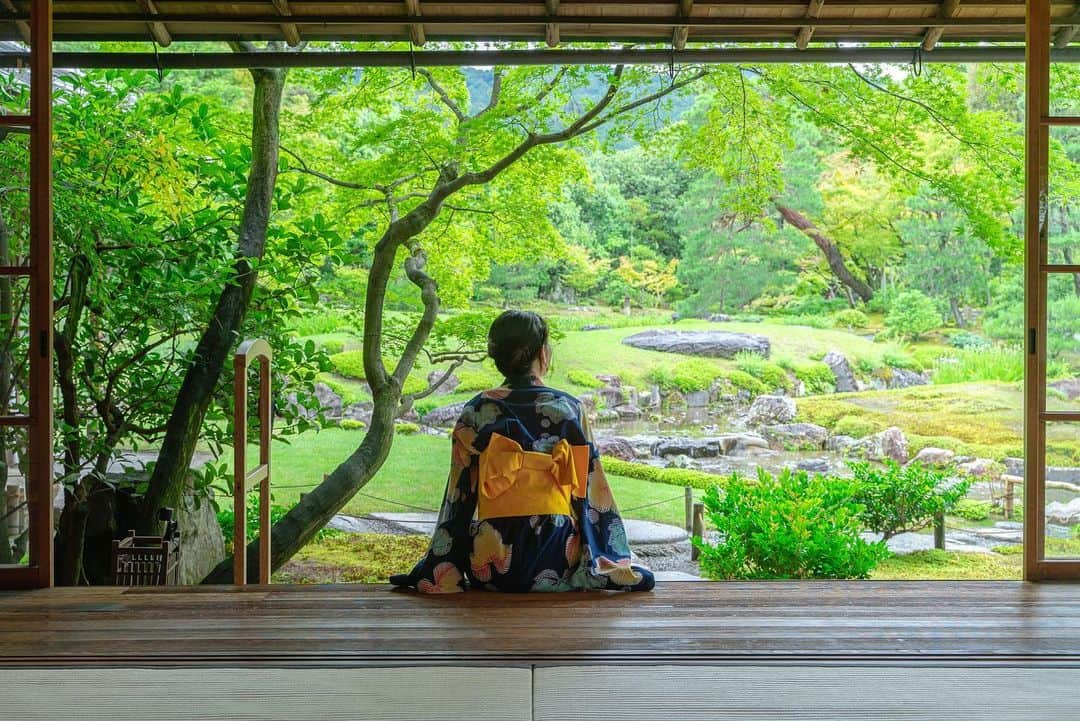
(670, 476)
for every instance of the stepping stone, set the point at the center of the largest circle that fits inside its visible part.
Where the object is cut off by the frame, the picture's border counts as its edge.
(422, 523)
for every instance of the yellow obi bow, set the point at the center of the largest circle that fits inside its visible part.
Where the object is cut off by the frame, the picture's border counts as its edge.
(516, 482)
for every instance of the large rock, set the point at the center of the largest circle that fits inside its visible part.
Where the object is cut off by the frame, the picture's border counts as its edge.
(1066, 514)
(796, 436)
(612, 395)
(903, 378)
(329, 401)
(889, 444)
(447, 386)
(841, 370)
(707, 343)
(616, 447)
(980, 468)
(931, 456)
(743, 444)
(443, 416)
(629, 412)
(1069, 388)
(693, 447)
(202, 547)
(770, 410)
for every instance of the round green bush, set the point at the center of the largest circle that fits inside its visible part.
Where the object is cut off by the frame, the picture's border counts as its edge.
(333, 345)
(850, 318)
(476, 380)
(972, 510)
(406, 429)
(911, 314)
(745, 382)
(583, 379)
(349, 363)
(816, 376)
(351, 424)
(856, 427)
(686, 376)
(770, 374)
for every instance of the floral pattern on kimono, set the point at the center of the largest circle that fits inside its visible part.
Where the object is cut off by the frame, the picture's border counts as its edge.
(584, 550)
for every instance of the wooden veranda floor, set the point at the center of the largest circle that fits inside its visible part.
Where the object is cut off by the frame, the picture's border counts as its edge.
(679, 623)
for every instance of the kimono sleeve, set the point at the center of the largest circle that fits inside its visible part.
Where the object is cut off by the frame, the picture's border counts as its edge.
(442, 568)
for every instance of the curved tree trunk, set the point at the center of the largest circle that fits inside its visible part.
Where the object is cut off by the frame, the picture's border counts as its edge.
(833, 256)
(222, 331)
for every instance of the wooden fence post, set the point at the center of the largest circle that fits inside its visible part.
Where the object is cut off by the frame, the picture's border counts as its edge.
(939, 531)
(698, 528)
(689, 493)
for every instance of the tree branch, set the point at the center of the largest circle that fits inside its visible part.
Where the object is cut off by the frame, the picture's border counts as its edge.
(443, 95)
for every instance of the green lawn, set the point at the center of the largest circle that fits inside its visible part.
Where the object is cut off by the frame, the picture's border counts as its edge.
(415, 474)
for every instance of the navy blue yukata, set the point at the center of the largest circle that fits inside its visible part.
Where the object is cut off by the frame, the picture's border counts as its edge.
(527, 505)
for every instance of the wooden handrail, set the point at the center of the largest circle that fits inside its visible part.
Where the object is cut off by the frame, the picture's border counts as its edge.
(243, 480)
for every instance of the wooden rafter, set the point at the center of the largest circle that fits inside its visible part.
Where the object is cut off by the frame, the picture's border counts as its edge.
(683, 31)
(158, 30)
(949, 9)
(22, 25)
(552, 31)
(289, 30)
(813, 11)
(416, 30)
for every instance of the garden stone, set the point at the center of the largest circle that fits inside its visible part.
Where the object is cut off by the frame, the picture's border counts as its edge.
(889, 444)
(1065, 514)
(796, 436)
(814, 465)
(719, 318)
(903, 378)
(1014, 466)
(616, 447)
(694, 447)
(608, 379)
(743, 444)
(443, 416)
(697, 399)
(1069, 388)
(931, 456)
(841, 370)
(841, 444)
(590, 326)
(679, 462)
(769, 410)
(201, 542)
(655, 399)
(607, 414)
(710, 344)
(329, 401)
(629, 411)
(359, 411)
(980, 468)
(447, 386)
(612, 395)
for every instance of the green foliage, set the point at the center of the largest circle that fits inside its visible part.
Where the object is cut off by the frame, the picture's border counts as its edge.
(966, 340)
(896, 356)
(856, 427)
(740, 380)
(791, 525)
(972, 510)
(351, 424)
(583, 379)
(991, 364)
(476, 380)
(353, 558)
(810, 321)
(406, 429)
(770, 374)
(815, 375)
(226, 517)
(684, 477)
(912, 314)
(333, 345)
(850, 318)
(320, 322)
(349, 363)
(688, 376)
(901, 499)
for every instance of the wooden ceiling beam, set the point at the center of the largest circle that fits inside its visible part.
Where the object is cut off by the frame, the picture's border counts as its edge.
(416, 30)
(551, 32)
(949, 9)
(22, 25)
(289, 30)
(682, 32)
(806, 33)
(158, 30)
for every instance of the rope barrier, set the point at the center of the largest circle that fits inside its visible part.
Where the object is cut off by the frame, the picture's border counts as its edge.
(657, 503)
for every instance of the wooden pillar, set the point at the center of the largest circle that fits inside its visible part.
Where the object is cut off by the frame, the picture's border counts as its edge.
(698, 528)
(688, 492)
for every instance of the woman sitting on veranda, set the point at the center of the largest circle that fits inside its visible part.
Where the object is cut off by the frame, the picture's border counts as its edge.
(523, 462)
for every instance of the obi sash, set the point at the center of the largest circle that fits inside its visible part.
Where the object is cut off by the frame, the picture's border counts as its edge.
(516, 482)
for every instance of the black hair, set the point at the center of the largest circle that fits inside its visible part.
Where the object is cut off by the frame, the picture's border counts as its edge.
(515, 340)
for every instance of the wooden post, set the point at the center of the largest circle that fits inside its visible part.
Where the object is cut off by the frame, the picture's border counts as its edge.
(1009, 502)
(698, 528)
(939, 531)
(689, 492)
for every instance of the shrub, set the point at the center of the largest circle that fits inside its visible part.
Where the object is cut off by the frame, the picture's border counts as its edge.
(349, 363)
(671, 476)
(992, 364)
(901, 499)
(745, 382)
(333, 345)
(972, 510)
(911, 314)
(321, 323)
(821, 322)
(965, 340)
(583, 379)
(480, 379)
(351, 424)
(856, 427)
(896, 356)
(851, 319)
(816, 376)
(686, 376)
(350, 392)
(772, 375)
(406, 429)
(792, 525)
